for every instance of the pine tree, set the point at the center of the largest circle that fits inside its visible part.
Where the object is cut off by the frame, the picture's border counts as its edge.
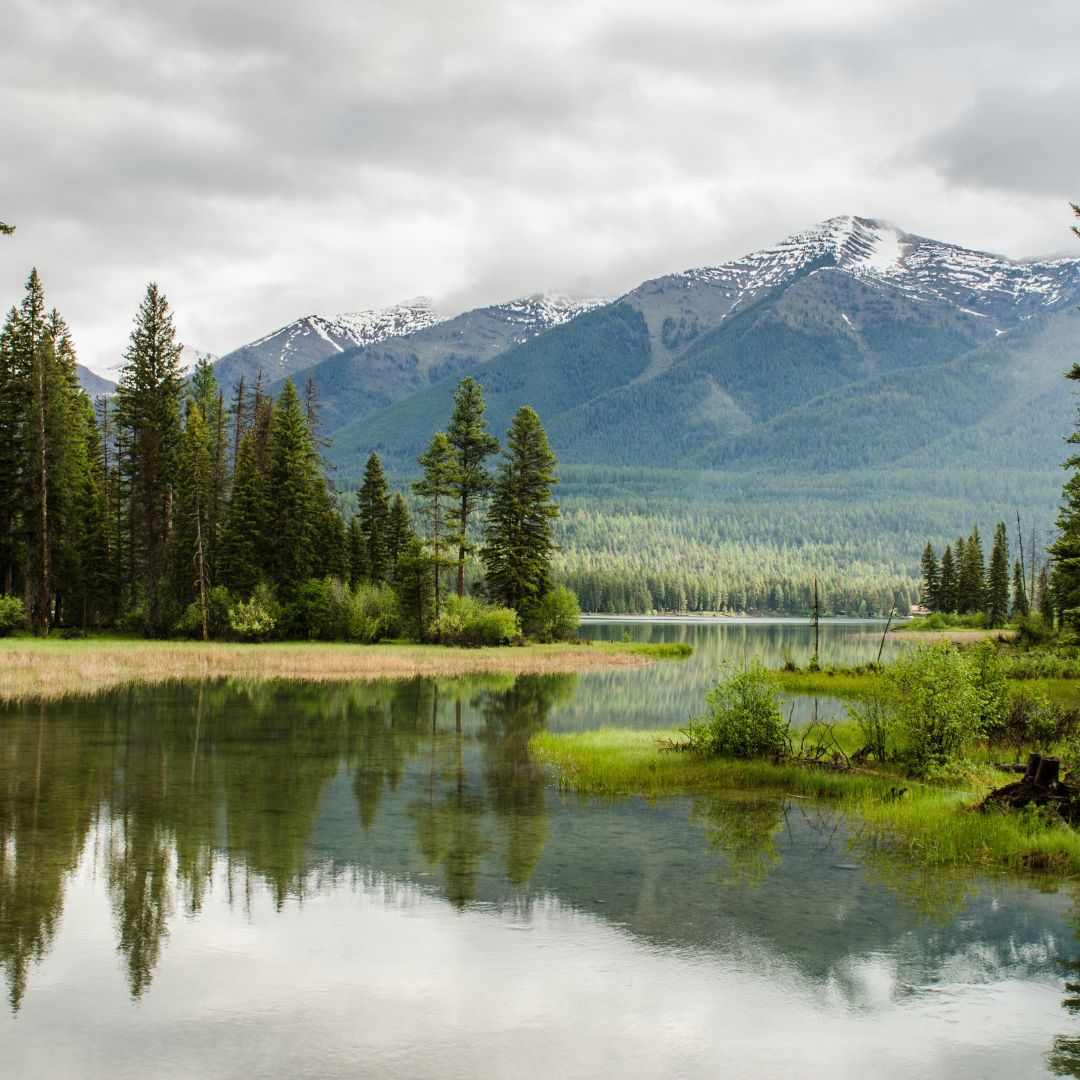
(207, 394)
(1020, 600)
(1065, 551)
(399, 530)
(518, 544)
(356, 543)
(415, 588)
(947, 582)
(931, 579)
(436, 490)
(294, 483)
(245, 548)
(373, 507)
(472, 445)
(148, 412)
(1044, 597)
(971, 584)
(191, 528)
(997, 579)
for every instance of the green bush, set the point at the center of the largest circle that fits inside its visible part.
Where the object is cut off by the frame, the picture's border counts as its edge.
(257, 618)
(372, 613)
(876, 723)
(558, 616)
(12, 615)
(464, 620)
(743, 718)
(939, 700)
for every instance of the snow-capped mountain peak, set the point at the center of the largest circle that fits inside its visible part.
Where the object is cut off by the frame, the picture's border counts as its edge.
(877, 251)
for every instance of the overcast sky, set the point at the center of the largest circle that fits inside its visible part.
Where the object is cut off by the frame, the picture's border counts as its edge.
(265, 160)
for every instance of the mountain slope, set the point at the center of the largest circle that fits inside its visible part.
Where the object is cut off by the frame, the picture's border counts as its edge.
(372, 377)
(296, 347)
(728, 364)
(586, 357)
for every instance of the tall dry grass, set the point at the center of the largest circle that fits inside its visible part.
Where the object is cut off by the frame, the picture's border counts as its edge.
(51, 669)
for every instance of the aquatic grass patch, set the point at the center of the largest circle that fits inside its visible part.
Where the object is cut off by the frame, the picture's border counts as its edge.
(893, 816)
(48, 669)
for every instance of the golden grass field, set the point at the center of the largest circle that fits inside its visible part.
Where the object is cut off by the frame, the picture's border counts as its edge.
(32, 668)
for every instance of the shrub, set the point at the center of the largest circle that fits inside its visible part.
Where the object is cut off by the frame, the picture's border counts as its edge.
(255, 619)
(371, 613)
(558, 616)
(464, 620)
(876, 723)
(743, 718)
(12, 615)
(938, 699)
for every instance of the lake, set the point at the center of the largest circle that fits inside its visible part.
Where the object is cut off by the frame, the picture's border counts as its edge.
(289, 880)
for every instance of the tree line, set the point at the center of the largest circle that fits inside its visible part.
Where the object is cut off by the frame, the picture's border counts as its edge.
(962, 582)
(171, 510)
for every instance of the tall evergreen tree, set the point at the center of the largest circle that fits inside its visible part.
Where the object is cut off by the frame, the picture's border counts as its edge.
(437, 488)
(1020, 600)
(947, 582)
(148, 398)
(931, 579)
(1065, 550)
(971, 583)
(399, 530)
(997, 579)
(518, 541)
(294, 483)
(1044, 597)
(244, 544)
(356, 543)
(189, 540)
(373, 508)
(472, 445)
(207, 394)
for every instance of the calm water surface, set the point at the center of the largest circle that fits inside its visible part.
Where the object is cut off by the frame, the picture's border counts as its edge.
(374, 880)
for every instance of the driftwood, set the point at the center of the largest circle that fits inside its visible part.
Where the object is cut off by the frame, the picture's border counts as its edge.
(1041, 785)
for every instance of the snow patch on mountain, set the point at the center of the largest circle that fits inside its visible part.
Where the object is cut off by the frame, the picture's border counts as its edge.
(924, 269)
(540, 312)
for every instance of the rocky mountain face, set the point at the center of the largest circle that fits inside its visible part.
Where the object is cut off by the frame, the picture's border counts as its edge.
(370, 377)
(305, 342)
(809, 353)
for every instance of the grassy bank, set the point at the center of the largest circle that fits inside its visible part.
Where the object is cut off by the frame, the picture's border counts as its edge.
(31, 668)
(928, 825)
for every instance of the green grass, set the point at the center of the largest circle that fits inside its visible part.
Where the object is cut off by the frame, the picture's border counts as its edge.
(927, 826)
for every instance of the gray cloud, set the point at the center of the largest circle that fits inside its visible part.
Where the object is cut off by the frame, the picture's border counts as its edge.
(265, 160)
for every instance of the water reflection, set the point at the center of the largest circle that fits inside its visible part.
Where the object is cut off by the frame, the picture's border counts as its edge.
(224, 835)
(665, 695)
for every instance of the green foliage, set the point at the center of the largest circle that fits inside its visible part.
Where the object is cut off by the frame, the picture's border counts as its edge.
(743, 718)
(876, 723)
(464, 620)
(373, 508)
(148, 415)
(373, 613)
(256, 618)
(556, 617)
(1029, 721)
(12, 615)
(518, 541)
(940, 700)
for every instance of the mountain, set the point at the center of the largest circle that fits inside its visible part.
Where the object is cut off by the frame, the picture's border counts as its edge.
(305, 342)
(372, 376)
(95, 385)
(816, 353)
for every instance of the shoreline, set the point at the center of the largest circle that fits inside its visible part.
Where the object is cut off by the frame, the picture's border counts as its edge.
(32, 669)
